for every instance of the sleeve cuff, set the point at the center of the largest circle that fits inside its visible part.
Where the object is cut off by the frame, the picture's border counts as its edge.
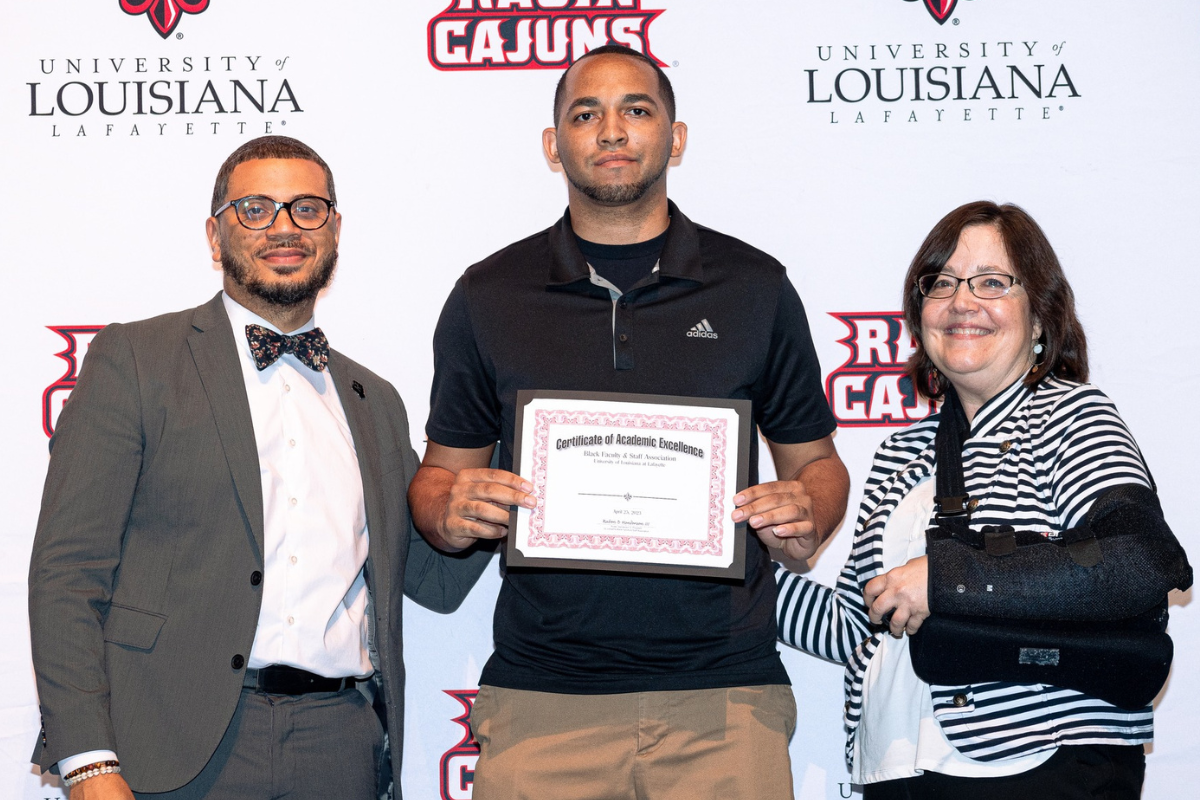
(72, 763)
(467, 441)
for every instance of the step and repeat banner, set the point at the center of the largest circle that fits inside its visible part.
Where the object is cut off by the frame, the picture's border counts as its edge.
(832, 135)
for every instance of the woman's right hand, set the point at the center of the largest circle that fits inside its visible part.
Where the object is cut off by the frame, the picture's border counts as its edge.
(899, 598)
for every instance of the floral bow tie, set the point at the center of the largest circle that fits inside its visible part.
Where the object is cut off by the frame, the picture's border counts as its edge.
(311, 347)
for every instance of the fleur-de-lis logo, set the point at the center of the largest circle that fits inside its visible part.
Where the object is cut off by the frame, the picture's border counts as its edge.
(164, 14)
(941, 9)
(458, 763)
(77, 337)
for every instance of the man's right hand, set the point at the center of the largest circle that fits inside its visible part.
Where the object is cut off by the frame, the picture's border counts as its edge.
(478, 505)
(102, 787)
(456, 500)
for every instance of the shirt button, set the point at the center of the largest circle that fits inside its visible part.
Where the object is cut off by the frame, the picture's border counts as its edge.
(287, 387)
(622, 302)
(623, 338)
(960, 700)
(255, 578)
(291, 620)
(292, 442)
(961, 589)
(238, 661)
(1005, 446)
(293, 501)
(293, 559)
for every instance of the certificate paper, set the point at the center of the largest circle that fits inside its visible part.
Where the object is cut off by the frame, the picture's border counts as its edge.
(639, 483)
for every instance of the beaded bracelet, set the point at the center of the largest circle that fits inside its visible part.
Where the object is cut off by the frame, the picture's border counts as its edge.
(90, 771)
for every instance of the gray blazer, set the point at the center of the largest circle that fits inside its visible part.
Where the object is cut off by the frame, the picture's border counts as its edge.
(141, 596)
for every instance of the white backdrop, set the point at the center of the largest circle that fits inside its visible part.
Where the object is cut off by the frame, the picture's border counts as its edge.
(436, 168)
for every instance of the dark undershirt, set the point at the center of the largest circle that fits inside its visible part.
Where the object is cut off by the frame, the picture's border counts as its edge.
(623, 265)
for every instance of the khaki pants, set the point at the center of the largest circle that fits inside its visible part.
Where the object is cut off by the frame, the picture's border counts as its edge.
(723, 744)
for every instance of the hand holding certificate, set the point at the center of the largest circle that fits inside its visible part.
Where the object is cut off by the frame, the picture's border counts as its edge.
(631, 482)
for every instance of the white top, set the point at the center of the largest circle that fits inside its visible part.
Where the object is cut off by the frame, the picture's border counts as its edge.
(314, 604)
(899, 736)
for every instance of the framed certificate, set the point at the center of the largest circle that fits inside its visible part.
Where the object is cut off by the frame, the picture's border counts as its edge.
(631, 483)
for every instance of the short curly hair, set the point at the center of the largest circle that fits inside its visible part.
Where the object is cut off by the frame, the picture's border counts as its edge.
(267, 147)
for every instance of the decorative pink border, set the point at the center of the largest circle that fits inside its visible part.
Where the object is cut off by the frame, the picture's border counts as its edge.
(711, 546)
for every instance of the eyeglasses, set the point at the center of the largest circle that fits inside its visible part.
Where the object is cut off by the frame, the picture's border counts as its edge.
(987, 286)
(258, 213)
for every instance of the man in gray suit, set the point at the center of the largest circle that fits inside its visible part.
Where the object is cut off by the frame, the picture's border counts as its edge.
(216, 585)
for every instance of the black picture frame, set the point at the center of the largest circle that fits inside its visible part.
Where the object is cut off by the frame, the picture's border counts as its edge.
(736, 570)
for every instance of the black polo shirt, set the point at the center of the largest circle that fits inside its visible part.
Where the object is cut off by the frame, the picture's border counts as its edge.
(717, 318)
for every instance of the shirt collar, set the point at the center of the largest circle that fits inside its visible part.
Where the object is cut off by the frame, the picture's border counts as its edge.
(999, 408)
(680, 256)
(240, 317)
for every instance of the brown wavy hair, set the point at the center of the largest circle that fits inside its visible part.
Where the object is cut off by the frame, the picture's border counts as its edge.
(1051, 300)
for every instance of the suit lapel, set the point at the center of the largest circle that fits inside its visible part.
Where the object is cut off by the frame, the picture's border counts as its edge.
(215, 352)
(366, 445)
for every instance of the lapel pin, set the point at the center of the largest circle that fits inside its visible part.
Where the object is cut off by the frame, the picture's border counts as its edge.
(358, 390)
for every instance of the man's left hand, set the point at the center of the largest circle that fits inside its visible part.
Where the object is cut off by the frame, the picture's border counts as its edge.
(781, 513)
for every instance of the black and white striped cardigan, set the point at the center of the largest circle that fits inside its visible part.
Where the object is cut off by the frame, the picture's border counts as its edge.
(1036, 460)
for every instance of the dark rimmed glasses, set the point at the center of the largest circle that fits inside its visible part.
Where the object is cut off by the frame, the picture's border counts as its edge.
(258, 212)
(985, 286)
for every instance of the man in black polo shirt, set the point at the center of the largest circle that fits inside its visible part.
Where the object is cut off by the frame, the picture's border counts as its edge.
(602, 684)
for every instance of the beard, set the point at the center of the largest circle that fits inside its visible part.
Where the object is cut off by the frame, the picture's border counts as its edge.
(281, 294)
(616, 194)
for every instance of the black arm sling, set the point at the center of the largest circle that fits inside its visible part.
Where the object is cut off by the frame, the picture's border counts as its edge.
(1085, 609)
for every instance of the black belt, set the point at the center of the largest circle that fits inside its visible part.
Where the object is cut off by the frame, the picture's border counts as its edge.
(277, 679)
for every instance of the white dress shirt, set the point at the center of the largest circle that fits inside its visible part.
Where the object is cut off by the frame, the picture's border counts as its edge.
(314, 593)
(314, 603)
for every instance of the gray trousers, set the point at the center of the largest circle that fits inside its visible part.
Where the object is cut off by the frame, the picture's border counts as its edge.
(305, 747)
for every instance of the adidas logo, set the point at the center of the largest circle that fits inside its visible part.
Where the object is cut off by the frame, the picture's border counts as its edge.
(702, 330)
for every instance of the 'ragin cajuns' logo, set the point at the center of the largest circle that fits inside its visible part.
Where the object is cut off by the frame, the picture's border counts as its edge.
(55, 397)
(534, 34)
(164, 14)
(870, 389)
(939, 9)
(458, 763)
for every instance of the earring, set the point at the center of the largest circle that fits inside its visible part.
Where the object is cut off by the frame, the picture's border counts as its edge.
(1038, 349)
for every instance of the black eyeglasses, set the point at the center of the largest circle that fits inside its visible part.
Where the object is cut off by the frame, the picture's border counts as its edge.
(986, 286)
(258, 213)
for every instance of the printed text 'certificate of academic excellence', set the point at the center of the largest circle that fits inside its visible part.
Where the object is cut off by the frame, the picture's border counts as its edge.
(636, 483)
